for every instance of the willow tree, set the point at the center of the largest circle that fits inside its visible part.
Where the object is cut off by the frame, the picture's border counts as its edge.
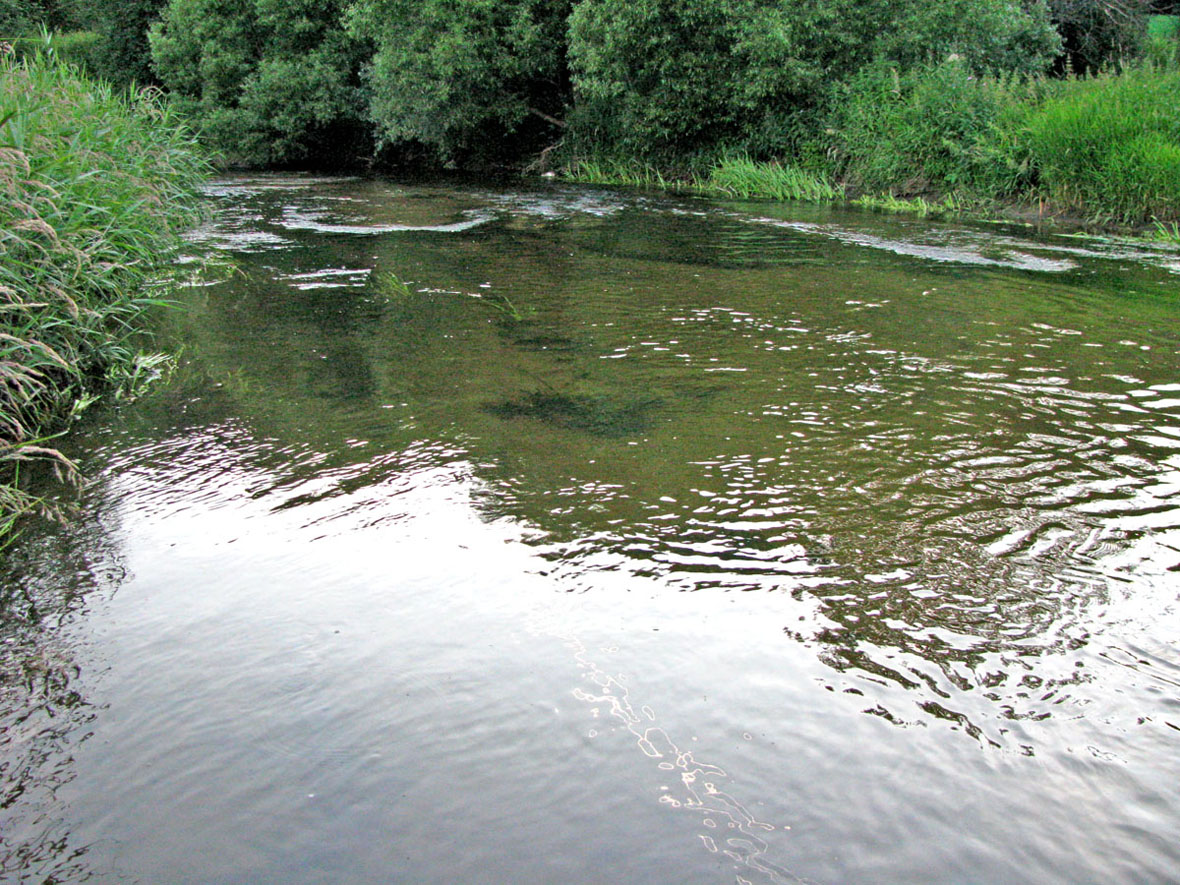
(674, 75)
(475, 80)
(270, 82)
(22, 18)
(124, 56)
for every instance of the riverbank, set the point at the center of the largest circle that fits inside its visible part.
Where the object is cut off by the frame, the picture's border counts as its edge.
(1099, 153)
(96, 188)
(771, 180)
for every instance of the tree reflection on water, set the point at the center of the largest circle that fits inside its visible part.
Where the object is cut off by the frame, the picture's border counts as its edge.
(47, 586)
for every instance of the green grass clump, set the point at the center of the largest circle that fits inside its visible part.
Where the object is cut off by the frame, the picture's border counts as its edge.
(1166, 232)
(626, 173)
(920, 206)
(1111, 144)
(939, 129)
(95, 190)
(746, 178)
(732, 176)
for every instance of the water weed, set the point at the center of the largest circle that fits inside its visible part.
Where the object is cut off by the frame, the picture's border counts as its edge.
(919, 206)
(392, 286)
(96, 188)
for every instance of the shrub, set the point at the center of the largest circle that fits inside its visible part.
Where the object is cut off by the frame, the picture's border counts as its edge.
(123, 27)
(665, 77)
(81, 48)
(476, 80)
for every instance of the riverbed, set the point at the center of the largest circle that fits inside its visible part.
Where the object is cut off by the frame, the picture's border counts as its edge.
(505, 533)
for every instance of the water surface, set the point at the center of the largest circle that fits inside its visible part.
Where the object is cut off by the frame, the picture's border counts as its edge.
(564, 535)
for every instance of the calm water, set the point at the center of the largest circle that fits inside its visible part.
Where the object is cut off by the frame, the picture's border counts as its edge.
(565, 536)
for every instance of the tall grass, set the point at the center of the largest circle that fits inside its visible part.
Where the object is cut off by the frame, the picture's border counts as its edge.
(939, 129)
(95, 189)
(627, 173)
(730, 176)
(1110, 144)
(1106, 147)
(747, 178)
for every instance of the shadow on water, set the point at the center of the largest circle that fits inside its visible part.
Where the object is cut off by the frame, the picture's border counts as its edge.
(595, 415)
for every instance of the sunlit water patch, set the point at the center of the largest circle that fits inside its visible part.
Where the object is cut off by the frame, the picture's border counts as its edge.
(566, 535)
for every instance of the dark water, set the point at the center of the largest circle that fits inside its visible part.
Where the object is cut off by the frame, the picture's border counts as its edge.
(566, 536)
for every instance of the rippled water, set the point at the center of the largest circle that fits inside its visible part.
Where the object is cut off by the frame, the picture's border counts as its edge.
(558, 535)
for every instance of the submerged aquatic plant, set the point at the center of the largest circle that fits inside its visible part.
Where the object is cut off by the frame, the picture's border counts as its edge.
(393, 286)
(504, 306)
(597, 415)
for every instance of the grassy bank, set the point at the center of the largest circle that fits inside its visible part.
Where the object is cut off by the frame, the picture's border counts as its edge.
(735, 176)
(939, 139)
(95, 190)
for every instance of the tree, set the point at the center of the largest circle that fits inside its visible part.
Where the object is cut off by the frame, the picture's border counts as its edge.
(991, 36)
(124, 56)
(270, 82)
(669, 75)
(15, 17)
(476, 79)
(1100, 32)
(23, 18)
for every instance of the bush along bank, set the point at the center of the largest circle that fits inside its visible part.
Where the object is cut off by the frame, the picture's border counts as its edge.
(937, 105)
(96, 188)
(937, 139)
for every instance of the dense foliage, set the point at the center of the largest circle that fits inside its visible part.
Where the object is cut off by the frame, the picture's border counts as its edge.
(95, 190)
(675, 75)
(22, 17)
(124, 56)
(939, 128)
(269, 82)
(1098, 32)
(462, 78)
(957, 97)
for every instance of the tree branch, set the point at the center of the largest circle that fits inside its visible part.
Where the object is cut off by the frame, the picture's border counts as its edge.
(560, 124)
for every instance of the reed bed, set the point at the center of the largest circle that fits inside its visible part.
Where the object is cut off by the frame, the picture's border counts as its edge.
(96, 188)
(626, 173)
(747, 178)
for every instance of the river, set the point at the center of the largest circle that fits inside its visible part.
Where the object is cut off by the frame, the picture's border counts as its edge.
(505, 533)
